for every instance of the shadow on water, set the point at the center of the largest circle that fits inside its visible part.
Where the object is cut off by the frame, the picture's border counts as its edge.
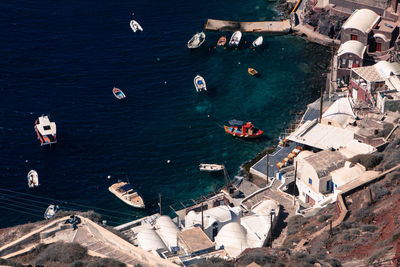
(211, 92)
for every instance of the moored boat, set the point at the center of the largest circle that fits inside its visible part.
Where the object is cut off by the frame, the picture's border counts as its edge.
(118, 93)
(51, 211)
(211, 167)
(46, 131)
(135, 26)
(252, 71)
(197, 40)
(258, 41)
(200, 84)
(124, 191)
(33, 178)
(221, 41)
(242, 129)
(235, 38)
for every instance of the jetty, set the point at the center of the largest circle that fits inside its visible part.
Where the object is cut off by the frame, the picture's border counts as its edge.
(279, 27)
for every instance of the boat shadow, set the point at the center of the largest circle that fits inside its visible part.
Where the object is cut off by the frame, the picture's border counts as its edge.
(211, 92)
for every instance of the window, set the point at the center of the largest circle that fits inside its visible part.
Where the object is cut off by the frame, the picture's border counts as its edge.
(354, 37)
(46, 127)
(309, 180)
(329, 123)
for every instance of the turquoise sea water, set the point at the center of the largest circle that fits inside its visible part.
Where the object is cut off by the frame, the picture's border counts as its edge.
(65, 58)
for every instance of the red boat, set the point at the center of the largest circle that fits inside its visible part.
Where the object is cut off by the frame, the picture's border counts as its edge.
(221, 41)
(242, 129)
(118, 93)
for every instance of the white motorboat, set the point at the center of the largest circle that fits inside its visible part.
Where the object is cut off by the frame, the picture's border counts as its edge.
(211, 167)
(135, 26)
(200, 84)
(258, 41)
(235, 38)
(197, 40)
(124, 191)
(46, 130)
(33, 178)
(51, 211)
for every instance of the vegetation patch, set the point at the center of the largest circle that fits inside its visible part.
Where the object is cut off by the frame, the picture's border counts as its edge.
(369, 161)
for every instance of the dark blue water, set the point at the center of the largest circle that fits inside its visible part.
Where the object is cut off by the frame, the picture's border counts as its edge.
(63, 59)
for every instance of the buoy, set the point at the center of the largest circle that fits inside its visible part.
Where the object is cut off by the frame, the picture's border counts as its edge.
(133, 13)
(108, 177)
(165, 82)
(168, 161)
(208, 115)
(158, 59)
(239, 63)
(26, 160)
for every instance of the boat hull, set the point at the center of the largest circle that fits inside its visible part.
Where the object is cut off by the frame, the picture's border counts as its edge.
(33, 179)
(135, 26)
(211, 167)
(45, 139)
(200, 87)
(231, 130)
(118, 93)
(136, 204)
(196, 41)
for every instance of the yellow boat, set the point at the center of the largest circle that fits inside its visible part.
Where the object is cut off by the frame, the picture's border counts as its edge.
(252, 71)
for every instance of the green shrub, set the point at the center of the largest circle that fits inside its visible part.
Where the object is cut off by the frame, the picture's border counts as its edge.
(396, 236)
(369, 161)
(345, 248)
(364, 213)
(378, 191)
(61, 252)
(324, 218)
(106, 262)
(369, 228)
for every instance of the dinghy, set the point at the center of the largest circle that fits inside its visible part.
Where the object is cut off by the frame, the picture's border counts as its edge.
(235, 39)
(211, 167)
(242, 129)
(45, 130)
(197, 40)
(257, 42)
(118, 93)
(124, 191)
(51, 211)
(200, 84)
(252, 71)
(33, 179)
(221, 41)
(135, 26)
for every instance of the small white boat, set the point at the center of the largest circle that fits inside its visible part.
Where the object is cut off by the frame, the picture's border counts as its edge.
(46, 131)
(200, 84)
(51, 211)
(197, 40)
(258, 41)
(235, 38)
(124, 191)
(33, 178)
(135, 26)
(211, 167)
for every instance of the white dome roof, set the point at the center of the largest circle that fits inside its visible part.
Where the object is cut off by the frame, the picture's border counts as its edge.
(232, 237)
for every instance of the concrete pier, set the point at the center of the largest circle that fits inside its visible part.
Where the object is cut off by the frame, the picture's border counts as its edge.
(283, 26)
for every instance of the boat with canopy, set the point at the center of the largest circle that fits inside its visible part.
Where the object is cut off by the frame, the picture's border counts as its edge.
(242, 129)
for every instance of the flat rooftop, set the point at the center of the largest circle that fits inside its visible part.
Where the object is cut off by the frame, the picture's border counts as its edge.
(195, 239)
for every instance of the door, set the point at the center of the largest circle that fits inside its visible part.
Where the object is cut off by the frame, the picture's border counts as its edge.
(354, 37)
(378, 47)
